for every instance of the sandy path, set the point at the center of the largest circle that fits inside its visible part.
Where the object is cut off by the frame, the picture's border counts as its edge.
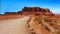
(14, 26)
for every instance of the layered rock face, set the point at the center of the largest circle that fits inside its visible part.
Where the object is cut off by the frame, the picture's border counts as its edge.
(37, 11)
(33, 11)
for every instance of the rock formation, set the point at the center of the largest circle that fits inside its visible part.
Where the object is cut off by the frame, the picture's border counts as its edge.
(37, 11)
(32, 11)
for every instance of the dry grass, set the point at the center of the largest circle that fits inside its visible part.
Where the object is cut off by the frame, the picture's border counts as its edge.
(52, 22)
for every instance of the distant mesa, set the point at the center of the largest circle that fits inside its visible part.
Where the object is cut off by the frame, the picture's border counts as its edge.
(36, 9)
(32, 11)
(10, 12)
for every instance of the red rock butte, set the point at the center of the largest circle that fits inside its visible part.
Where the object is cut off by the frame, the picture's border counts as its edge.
(32, 11)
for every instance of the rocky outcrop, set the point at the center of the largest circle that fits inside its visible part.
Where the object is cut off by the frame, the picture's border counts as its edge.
(36, 11)
(32, 11)
(9, 12)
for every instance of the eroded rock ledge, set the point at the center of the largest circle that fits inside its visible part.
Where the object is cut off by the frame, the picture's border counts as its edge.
(27, 11)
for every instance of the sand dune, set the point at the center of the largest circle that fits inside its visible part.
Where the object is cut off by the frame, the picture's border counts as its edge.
(14, 26)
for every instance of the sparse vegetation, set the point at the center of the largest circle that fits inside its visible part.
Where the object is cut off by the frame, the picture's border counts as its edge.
(47, 20)
(38, 19)
(56, 32)
(50, 23)
(46, 27)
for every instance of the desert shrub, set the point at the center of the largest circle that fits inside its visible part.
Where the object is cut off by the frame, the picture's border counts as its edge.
(36, 19)
(50, 23)
(39, 20)
(47, 20)
(46, 27)
(56, 32)
(57, 27)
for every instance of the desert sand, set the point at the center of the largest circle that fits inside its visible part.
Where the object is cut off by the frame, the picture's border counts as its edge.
(14, 26)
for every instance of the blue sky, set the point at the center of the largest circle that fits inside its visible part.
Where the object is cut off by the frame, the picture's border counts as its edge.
(17, 5)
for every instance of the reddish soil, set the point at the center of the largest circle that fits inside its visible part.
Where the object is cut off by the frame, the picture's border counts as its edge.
(4, 17)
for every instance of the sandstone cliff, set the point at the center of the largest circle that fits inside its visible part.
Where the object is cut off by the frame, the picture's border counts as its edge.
(37, 11)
